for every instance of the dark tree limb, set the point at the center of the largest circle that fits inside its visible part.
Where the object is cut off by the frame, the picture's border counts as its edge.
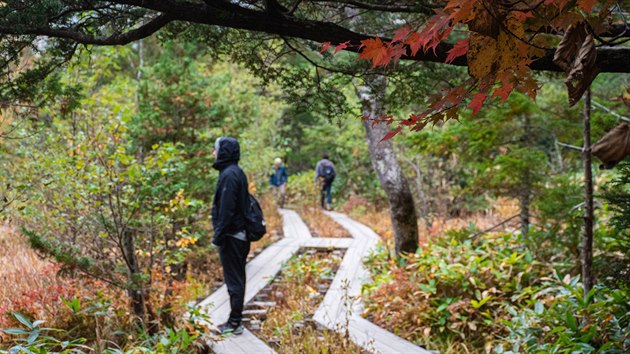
(416, 7)
(227, 14)
(143, 31)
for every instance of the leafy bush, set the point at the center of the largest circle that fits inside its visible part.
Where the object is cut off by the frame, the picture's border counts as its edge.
(562, 320)
(618, 197)
(454, 287)
(32, 338)
(301, 189)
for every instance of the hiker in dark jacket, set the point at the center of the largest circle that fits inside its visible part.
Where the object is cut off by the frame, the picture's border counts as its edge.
(228, 221)
(278, 180)
(325, 173)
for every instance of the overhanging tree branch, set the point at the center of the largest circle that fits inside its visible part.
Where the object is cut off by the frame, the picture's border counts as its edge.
(227, 14)
(83, 38)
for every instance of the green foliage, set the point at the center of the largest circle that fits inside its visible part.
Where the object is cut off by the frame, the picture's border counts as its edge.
(494, 286)
(303, 190)
(562, 320)
(32, 338)
(461, 287)
(617, 195)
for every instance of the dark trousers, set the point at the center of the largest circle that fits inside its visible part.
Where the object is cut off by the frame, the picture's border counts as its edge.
(326, 197)
(233, 254)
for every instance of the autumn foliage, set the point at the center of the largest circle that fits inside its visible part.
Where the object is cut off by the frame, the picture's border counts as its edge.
(501, 40)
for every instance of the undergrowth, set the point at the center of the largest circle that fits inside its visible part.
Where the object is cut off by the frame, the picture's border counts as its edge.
(491, 295)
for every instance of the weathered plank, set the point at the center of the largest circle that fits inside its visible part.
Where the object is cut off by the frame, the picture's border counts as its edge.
(320, 242)
(337, 311)
(246, 343)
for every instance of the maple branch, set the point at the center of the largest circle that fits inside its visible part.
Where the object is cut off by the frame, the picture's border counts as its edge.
(571, 146)
(229, 14)
(316, 65)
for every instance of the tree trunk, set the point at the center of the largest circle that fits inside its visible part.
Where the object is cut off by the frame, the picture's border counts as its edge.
(525, 198)
(525, 194)
(387, 167)
(586, 253)
(134, 290)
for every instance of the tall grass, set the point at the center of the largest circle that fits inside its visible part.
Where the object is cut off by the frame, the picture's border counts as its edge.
(378, 219)
(29, 283)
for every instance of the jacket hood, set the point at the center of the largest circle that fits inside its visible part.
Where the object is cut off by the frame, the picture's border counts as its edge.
(229, 153)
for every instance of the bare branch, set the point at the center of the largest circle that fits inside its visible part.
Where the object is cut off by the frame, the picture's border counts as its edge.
(625, 119)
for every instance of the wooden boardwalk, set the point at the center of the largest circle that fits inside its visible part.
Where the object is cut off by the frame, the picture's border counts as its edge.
(341, 306)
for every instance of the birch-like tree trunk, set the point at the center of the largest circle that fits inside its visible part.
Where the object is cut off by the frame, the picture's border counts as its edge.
(387, 166)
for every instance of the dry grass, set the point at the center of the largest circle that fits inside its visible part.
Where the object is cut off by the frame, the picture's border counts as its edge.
(320, 224)
(289, 325)
(29, 284)
(378, 219)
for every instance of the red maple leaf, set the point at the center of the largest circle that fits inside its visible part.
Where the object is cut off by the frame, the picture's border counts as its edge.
(477, 102)
(586, 5)
(325, 47)
(375, 51)
(391, 134)
(341, 46)
(414, 42)
(460, 48)
(503, 91)
(401, 34)
(522, 16)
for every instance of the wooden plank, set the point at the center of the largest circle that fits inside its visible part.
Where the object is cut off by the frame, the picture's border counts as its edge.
(320, 242)
(335, 315)
(293, 225)
(246, 343)
(332, 313)
(382, 341)
(259, 272)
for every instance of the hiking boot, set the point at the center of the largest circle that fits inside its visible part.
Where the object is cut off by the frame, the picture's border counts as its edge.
(230, 328)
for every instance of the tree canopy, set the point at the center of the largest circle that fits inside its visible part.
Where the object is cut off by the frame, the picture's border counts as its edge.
(501, 42)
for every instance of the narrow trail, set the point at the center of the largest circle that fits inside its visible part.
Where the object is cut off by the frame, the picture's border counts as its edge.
(337, 311)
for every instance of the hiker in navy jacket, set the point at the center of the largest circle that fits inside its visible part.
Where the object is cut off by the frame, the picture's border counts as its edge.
(228, 221)
(325, 170)
(278, 180)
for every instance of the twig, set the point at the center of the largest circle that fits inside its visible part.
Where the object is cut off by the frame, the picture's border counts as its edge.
(571, 146)
(625, 119)
(493, 227)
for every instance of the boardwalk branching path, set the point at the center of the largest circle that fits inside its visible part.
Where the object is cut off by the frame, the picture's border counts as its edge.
(339, 309)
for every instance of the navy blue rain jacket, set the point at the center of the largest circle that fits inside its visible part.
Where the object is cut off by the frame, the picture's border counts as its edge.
(230, 196)
(279, 171)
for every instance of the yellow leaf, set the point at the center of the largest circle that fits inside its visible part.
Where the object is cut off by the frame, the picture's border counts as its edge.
(481, 55)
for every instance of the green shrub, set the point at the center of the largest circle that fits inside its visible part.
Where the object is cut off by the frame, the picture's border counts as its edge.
(562, 320)
(454, 288)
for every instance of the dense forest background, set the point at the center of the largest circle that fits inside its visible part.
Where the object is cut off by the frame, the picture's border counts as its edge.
(107, 174)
